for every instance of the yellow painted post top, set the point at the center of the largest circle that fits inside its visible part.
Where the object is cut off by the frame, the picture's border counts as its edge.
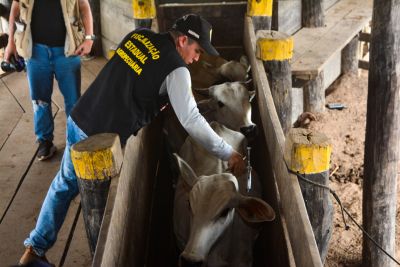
(144, 9)
(262, 8)
(273, 45)
(98, 157)
(307, 152)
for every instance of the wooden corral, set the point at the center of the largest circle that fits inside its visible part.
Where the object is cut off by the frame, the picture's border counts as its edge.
(137, 226)
(288, 241)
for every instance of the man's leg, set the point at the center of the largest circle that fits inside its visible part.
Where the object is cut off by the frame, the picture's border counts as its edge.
(68, 75)
(40, 78)
(55, 206)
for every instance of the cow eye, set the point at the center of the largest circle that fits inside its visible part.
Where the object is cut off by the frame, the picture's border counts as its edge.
(220, 104)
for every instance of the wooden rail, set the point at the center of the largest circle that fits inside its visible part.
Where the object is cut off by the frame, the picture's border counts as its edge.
(123, 235)
(292, 210)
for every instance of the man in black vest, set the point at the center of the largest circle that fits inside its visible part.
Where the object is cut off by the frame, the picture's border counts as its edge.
(148, 70)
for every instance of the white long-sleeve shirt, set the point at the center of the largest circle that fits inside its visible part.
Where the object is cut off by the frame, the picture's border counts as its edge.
(178, 86)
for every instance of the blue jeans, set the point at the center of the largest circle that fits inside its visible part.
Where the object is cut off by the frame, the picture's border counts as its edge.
(45, 64)
(62, 190)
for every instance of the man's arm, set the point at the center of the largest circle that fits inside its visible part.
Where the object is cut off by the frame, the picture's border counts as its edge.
(87, 19)
(10, 48)
(178, 85)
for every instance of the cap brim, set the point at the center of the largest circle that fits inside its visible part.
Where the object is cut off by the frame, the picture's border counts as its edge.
(209, 48)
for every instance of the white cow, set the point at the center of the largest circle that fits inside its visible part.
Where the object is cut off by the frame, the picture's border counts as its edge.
(208, 230)
(227, 103)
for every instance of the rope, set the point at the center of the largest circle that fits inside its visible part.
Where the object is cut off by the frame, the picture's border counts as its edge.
(343, 210)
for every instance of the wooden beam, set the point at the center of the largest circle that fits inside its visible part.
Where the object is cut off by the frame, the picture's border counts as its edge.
(382, 135)
(127, 235)
(314, 94)
(308, 153)
(261, 13)
(349, 59)
(312, 13)
(96, 160)
(276, 50)
(293, 210)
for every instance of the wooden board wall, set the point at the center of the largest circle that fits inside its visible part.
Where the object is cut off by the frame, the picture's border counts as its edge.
(226, 19)
(126, 242)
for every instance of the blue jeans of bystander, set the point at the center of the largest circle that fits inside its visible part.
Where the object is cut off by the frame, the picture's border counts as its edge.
(45, 64)
(62, 190)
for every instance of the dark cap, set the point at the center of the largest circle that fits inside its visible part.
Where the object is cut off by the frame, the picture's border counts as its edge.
(197, 29)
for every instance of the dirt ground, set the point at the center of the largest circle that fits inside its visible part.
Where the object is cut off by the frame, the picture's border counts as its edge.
(346, 129)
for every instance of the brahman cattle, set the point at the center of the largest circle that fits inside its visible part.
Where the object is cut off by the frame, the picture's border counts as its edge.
(227, 103)
(208, 230)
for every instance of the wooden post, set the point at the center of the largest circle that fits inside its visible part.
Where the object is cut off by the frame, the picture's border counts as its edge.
(144, 11)
(314, 94)
(97, 48)
(312, 13)
(308, 153)
(96, 160)
(275, 49)
(350, 57)
(382, 135)
(261, 13)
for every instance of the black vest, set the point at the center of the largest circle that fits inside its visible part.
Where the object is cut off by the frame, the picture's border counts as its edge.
(125, 95)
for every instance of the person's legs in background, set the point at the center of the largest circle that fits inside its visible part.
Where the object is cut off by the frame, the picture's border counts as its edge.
(68, 74)
(40, 78)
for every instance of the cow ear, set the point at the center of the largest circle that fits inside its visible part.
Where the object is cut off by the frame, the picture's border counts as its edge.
(254, 210)
(186, 171)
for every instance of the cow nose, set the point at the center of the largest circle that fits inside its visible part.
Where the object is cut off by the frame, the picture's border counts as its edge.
(249, 131)
(188, 263)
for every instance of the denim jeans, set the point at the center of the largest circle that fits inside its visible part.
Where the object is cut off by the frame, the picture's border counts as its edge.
(62, 190)
(46, 64)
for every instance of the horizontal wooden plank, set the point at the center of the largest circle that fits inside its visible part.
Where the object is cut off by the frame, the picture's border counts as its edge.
(314, 47)
(292, 210)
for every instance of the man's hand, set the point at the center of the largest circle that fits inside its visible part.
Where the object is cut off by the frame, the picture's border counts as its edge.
(236, 164)
(84, 48)
(10, 50)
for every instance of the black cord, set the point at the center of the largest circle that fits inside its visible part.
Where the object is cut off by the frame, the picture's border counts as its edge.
(343, 210)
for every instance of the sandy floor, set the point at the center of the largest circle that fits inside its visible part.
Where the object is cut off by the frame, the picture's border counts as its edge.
(346, 129)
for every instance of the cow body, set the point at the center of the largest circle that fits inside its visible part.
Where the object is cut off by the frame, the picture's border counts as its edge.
(234, 243)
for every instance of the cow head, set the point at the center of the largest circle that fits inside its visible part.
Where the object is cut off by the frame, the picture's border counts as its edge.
(213, 201)
(229, 104)
(233, 71)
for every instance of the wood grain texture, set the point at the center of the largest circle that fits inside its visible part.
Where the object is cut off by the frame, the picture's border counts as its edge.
(293, 211)
(382, 135)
